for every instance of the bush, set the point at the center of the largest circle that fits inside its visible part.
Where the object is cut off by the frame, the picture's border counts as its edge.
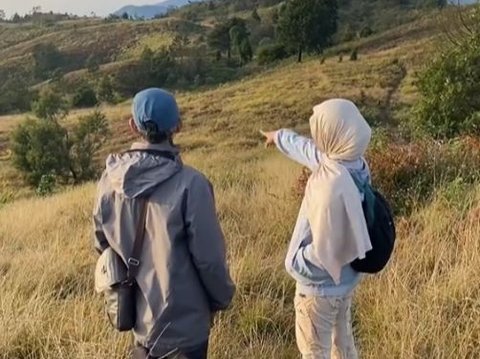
(85, 96)
(47, 185)
(43, 148)
(449, 90)
(15, 94)
(408, 174)
(92, 64)
(354, 55)
(47, 58)
(105, 90)
(50, 105)
(271, 53)
(40, 148)
(87, 139)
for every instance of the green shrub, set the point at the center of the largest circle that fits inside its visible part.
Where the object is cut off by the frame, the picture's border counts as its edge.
(449, 89)
(39, 148)
(46, 185)
(50, 105)
(271, 53)
(409, 174)
(84, 96)
(92, 64)
(105, 90)
(354, 55)
(87, 138)
(47, 58)
(43, 148)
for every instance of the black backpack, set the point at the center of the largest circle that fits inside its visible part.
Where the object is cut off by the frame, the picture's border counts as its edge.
(381, 228)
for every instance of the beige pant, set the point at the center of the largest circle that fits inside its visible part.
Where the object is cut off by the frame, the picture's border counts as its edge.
(324, 327)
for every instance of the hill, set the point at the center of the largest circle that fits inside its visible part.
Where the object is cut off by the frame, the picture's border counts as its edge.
(41, 50)
(426, 300)
(151, 11)
(424, 305)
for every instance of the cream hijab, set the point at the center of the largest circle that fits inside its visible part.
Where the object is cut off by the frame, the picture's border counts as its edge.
(333, 203)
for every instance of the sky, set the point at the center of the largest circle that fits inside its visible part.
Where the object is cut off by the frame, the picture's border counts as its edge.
(78, 7)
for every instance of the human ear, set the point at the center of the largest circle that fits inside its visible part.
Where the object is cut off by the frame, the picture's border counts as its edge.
(133, 126)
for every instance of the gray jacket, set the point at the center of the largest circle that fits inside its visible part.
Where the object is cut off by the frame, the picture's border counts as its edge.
(183, 276)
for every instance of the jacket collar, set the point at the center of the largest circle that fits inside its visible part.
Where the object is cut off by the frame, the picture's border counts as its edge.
(164, 146)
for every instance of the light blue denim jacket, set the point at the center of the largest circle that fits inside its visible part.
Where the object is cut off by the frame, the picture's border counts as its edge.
(311, 277)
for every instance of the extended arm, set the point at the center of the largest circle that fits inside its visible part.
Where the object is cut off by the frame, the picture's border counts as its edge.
(298, 148)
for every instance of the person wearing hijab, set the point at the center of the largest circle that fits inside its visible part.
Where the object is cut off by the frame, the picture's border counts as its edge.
(331, 230)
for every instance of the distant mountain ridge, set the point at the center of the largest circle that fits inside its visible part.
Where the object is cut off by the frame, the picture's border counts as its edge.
(464, 2)
(150, 11)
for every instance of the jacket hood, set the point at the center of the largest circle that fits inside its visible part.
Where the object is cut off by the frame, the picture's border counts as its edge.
(139, 171)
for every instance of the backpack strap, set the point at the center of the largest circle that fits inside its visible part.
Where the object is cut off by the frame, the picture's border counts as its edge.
(133, 262)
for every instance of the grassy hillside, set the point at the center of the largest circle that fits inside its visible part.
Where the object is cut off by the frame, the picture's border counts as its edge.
(114, 43)
(425, 305)
(380, 81)
(78, 39)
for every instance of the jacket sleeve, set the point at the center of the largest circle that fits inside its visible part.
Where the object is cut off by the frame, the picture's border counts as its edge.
(207, 245)
(298, 148)
(100, 242)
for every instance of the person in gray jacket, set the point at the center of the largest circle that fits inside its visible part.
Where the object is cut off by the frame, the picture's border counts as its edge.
(183, 277)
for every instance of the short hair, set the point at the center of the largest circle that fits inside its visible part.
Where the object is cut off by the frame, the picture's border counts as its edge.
(153, 135)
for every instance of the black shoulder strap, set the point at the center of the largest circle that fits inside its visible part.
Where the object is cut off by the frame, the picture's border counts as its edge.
(133, 262)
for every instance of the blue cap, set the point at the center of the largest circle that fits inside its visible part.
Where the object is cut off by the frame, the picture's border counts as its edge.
(156, 107)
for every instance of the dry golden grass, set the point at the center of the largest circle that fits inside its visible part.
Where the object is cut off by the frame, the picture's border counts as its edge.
(425, 305)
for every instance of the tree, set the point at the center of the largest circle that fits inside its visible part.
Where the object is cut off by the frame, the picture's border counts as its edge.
(2, 15)
(50, 105)
(16, 18)
(308, 25)
(449, 104)
(15, 93)
(442, 3)
(87, 138)
(40, 148)
(125, 16)
(271, 53)
(45, 151)
(220, 39)
(105, 90)
(92, 64)
(239, 37)
(47, 58)
(84, 96)
(354, 55)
